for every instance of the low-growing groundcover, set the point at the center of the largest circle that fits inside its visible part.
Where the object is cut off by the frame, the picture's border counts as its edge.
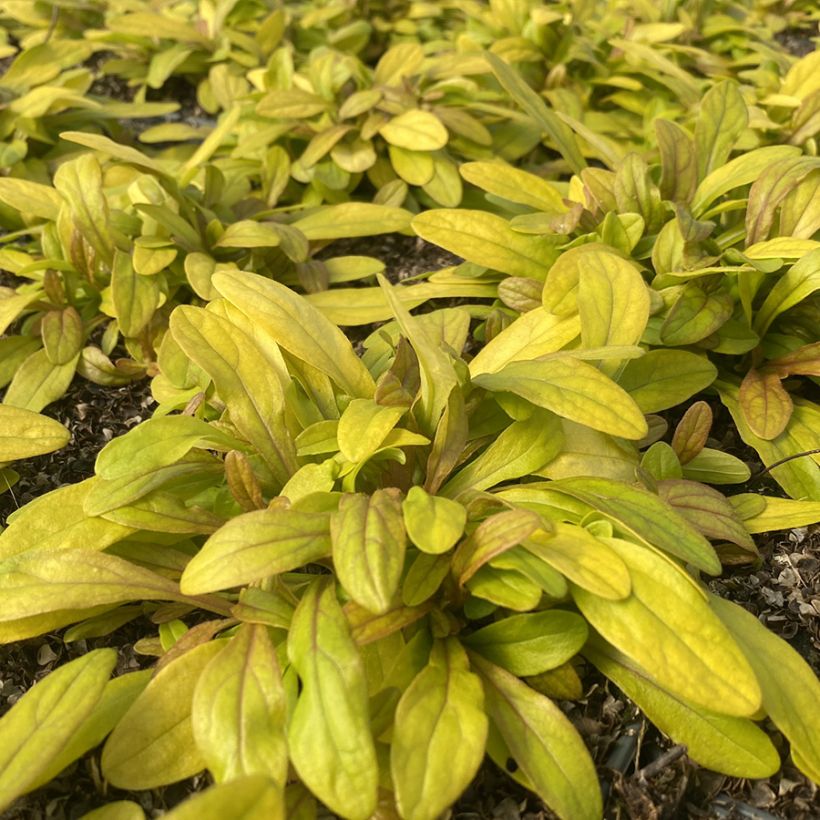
(374, 566)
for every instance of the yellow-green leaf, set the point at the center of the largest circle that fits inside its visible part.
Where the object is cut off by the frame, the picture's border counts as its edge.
(29, 197)
(765, 403)
(434, 524)
(505, 180)
(439, 734)
(329, 737)
(24, 434)
(416, 130)
(353, 219)
(254, 797)
(153, 744)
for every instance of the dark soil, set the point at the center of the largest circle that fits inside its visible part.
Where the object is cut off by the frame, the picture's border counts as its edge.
(643, 775)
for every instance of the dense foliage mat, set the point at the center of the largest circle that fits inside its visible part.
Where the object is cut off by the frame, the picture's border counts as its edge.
(370, 566)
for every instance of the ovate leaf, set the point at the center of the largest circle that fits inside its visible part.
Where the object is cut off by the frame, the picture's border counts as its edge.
(439, 734)
(416, 130)
(24, 434)
(433, 524)
(254, 797)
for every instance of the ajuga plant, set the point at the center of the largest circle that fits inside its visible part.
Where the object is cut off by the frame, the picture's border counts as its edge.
(368, 572)
(728, 244)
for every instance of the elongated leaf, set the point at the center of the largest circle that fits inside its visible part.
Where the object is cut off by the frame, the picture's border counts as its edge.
(665, 626)
(692, 431)
(254, 797)
(800, 281)
(522, 448)
(532, 643)
(135, 297)
(571, 389)
(504, 180)
(731, 745)
(721, 120)
(353, 219)
(43, 722)
(363, 427)
(245, 381)
(24, 434)
(118, 810)
(154, 744)
(298, 327)
(544, 744)
(790, 689)
(38, 382)
(29, 197)
(255, 545)
(487, 240)
(584, 559)
(41, 581)
(62, 332)
(238, 710)
(664, 378)
(776, 513)
(369, 541)
(439, 734)
(644, 515)
(329, 737)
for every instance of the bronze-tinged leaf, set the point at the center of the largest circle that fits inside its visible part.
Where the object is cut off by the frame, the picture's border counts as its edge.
(765, 404)
(692, 430)
(805, 361)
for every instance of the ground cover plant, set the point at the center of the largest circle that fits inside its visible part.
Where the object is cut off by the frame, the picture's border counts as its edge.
(366, 567)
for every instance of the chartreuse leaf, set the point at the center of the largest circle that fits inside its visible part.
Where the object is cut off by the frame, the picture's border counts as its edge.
(353, 219)
(65, 526)
(582, 558)
(801, 280)
(531, 643)
(502, 179)
(118, 810)
(24, 434)
(43, 722)
(29, 197)
(244, 380)
(363, 427)
(544, 744)
(535, 333)
(776, 513)
(721, 120)
(572, 389)
(257, 544)
(730, 745)
(369, 541)
(665, 626)
(298, 327)
(791, 691)
(487, 240)
(238, 710)
(613, 303)
(62, 332)
(38, 382)
(252, 797)
(438, 376)
(135, 297)
(434, 524)
(439, 734)
(716, 467)
(416, 130)
(644, 515)
(329, 737)
(42, 581)
(521, 449)
(153, 744)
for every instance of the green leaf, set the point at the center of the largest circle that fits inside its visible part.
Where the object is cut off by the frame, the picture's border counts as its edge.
(38, 382)
(62, 332)
(153, 744)
(545, 745)
(716, 467)
(534, 105)
(487, 240)
(584, 559)
(721, 120)
(238, 710)
(532, 643)
(790, 689)
(663, 378)
(329, 737)
(521, 449)
(416, 130)
(369, 542)
(571, 389)
(439, 734)
(253, 797)
(29, 197)
(665, 626)
(298, 327)
(353, 219)
(800, 281)
(257, 544)
(730, 745)
(433, 524)
(43, 722)
(24, 434)
(135, 297)
(645, 516)
(244, 380)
